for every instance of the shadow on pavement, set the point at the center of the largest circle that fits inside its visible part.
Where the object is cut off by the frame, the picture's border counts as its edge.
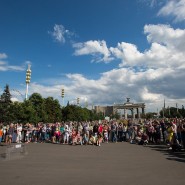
(178, 156)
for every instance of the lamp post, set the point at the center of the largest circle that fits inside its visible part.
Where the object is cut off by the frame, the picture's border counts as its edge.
(78, 101)
(28, 78)
(62, 95)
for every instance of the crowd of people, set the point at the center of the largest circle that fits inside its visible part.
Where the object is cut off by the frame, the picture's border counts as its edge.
(169, 132)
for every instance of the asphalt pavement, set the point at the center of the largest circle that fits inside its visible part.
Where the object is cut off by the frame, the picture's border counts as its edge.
(113, 163)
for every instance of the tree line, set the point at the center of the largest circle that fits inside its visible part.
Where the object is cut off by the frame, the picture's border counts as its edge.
(48, 110)
(38, 109)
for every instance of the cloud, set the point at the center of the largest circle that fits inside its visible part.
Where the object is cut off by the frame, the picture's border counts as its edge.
(98, 49)
(4, 66)
(3, 56)
(127, 52)
(149, 76)
(60, 34)
(151, 3)
(167, 49)
(150, 86)
(166, 35)
(174, 8)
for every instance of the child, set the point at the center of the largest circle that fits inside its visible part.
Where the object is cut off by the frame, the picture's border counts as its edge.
(99, 139)
(57, 135)
(73, 135)
(79, 138)
(85, 138)
(106, 138)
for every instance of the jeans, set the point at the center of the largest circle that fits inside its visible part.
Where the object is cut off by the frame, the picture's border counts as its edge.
(120, 135)
(113, 135)
(183, 139)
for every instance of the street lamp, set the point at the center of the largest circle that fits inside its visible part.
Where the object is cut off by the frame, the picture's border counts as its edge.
(62, 95)
(28, 77)
(78, 101)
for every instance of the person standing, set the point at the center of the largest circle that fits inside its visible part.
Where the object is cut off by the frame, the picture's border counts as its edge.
(95, 129)
(10, 133)
(19, 133)
(113, 132)
(1, 134)
(66, 134)
(183, 133)
(120, 132)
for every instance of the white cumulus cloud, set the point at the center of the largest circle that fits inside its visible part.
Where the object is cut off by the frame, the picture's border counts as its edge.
(166, 50)
(174, 8)
(149, 76)
(98, 49)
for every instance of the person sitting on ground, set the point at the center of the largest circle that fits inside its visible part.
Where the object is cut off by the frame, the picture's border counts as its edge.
(79, 138)
(92, 139)
(99, 139)
(139, 133)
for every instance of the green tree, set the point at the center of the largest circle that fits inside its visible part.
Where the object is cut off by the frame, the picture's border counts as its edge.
(37, 102)
(29, 115)
(16, 112)
(52, 110)
(5, 103)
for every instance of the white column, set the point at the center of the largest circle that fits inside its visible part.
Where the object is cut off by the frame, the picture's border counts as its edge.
(125, 113)
(138, 113)
(133, 112)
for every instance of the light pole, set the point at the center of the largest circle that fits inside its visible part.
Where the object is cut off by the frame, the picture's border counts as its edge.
(28, 78)
(62, 95)
(78, 101)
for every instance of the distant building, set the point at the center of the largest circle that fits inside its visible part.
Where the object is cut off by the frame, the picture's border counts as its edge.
(135, 108)
(106, 110)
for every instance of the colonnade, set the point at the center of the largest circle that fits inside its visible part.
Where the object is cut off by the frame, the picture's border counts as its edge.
(137, 109)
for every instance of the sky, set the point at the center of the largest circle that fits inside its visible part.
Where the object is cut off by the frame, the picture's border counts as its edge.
(101, 51)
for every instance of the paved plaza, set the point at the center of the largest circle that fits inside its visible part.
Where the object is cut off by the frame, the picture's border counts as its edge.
(120, 163)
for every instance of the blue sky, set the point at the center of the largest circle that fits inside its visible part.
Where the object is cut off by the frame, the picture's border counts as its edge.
(99, 50)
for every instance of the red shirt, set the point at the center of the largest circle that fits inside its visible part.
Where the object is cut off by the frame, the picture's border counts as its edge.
(100, 129)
